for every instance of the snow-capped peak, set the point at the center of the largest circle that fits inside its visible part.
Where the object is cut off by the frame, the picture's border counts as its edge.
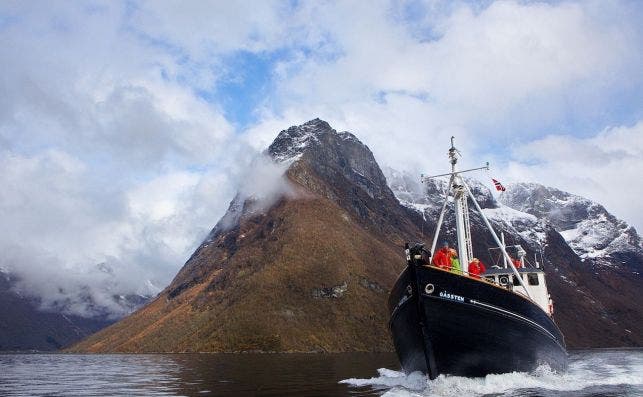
(526, 209)
(291, 143)
(589, 229)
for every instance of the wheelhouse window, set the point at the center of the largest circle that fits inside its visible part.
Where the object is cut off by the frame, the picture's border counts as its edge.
(532, 278)
(515, 281)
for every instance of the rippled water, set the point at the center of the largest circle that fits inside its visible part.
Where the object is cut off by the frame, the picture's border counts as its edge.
(189, 374)
(591, 373)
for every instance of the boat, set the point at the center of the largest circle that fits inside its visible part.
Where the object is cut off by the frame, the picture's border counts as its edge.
(452, 322)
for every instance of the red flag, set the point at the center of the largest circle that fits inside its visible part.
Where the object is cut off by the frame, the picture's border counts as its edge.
(499, 186)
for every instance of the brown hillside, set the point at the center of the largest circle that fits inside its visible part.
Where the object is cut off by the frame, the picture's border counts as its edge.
(275, 293)
(312, 273)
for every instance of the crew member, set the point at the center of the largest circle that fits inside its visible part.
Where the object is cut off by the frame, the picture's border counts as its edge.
(476, 268)
(442, 257)
(455, 262)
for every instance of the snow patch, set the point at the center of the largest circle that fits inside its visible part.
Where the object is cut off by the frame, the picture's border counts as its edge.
(587, 227)
(421, 208)
(509, 215)
(293, 141)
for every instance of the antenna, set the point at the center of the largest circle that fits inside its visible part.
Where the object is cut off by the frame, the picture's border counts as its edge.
(452, 155)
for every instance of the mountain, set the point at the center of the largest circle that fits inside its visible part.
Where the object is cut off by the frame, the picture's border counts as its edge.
(589, 229)
(605, 267)
(24, 327)
(308, 272)
(31, 322)
(305, 264)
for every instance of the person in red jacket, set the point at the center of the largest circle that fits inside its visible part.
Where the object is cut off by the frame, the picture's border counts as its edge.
(476, 268)
(442, 257)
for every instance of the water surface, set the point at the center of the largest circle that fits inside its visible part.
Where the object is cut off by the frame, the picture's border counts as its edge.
(189, 374)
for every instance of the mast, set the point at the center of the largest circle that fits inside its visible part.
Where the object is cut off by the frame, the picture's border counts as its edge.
(503, 247)
(458, 188)
(462, 224)
(441, 218)
(461, 193)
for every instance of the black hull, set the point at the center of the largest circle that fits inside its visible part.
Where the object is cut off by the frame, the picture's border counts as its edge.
(468, 327)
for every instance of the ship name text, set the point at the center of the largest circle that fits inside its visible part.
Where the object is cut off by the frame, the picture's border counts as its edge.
(451, 296)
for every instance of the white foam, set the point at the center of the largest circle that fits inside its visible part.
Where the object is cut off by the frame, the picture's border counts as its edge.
(390, 378)
(590, 370)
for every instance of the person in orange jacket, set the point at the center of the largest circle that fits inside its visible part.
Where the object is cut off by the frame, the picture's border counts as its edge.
(476, 268)
(442, 257)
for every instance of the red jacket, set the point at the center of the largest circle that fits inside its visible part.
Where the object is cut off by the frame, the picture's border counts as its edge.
(476, 268)
(442, 259)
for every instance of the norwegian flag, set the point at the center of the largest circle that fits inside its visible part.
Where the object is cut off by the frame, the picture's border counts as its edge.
(498, 185)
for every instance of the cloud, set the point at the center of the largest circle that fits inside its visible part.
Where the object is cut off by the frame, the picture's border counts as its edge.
(264, 183)
(485, 67)
(604, 167)
(119, 146)
(106, 163)
(208, 28)
(495, 76)
(76, 244)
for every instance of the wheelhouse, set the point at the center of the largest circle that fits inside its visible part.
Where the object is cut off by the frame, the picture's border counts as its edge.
(531, 275)
(532, 278)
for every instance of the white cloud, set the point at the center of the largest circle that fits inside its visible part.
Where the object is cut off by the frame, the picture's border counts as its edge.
(494, 60)
(492, 76)
(485, 66)
(212, 25)
(106, 163)
(115, 149)
(606, 168)
(62, 230)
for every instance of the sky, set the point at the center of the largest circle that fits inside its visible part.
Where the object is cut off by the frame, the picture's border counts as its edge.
(126, 127)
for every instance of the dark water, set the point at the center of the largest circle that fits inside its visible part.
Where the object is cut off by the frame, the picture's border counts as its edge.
(189, 374)
(591, 373)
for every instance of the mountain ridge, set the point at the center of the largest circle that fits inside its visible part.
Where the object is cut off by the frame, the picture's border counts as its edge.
(586, 225)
